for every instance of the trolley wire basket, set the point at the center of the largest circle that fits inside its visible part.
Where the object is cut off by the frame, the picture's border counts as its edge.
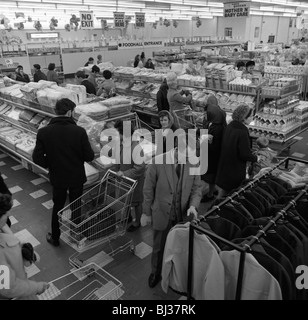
(87, 283)
(184, 119)
(99, 215)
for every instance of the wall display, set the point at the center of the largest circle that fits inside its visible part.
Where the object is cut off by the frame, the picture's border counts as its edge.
(140, 19)
(119, 19)
(86, 19)
(236, 9)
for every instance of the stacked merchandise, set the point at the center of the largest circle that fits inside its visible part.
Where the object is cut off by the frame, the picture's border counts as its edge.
(218, 75)
(117, 106)
(296, 72)
(106, 109)
(190, 80)
(94, 110)
(280, 119)
(301, 112)
(279, 87)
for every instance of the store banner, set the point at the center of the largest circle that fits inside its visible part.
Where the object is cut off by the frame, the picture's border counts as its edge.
(140, 44)
(86, 20)
(119, 19)
(236, 9)
(139, 19)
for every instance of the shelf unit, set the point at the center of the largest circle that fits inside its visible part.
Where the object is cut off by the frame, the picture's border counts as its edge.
(301, 127)
(28, 163)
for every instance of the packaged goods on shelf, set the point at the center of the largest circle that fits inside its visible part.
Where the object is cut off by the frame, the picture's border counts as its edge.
(26, 147)
(36, 121)
(92, 174)
(302, 108)
(96, 110)
(80, 91)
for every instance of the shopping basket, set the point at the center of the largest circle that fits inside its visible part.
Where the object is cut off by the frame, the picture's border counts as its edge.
(99, 215)
(87, 283)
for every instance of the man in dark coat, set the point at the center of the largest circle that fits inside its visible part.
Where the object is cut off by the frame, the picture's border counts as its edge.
(38, 74)
(235, 152)
(63, 147)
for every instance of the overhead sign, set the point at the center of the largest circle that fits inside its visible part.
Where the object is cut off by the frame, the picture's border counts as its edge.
(236, 9)
(139, 44)
(140, 19)
(86, 20)
(119, 19)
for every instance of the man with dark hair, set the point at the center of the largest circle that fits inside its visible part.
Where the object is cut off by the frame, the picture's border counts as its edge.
(90, 61)
(108, 86)
(20, 75)
(81, 80)
(93, 74)
(63, 147)
(241, 66)
(38, 74)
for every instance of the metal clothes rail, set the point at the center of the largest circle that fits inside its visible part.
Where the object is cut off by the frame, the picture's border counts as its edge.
(244, 247)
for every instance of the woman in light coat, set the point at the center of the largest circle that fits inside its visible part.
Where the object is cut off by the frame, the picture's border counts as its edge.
(16, 285)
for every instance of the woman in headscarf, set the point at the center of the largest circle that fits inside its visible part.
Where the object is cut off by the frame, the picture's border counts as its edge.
(215, 123)
(167, 125)
(161, 97)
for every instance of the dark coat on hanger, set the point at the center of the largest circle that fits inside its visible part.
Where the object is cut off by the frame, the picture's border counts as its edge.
(235, 152)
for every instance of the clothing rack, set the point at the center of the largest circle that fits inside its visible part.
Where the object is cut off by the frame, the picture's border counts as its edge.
(194, 226)
(249, 185)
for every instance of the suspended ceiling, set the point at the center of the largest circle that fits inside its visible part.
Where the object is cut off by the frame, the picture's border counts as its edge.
(153, 9)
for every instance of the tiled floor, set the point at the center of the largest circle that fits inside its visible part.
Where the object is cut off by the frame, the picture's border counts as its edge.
(31, 216)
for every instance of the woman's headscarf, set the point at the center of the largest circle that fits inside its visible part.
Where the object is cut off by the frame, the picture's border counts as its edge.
(214, 113)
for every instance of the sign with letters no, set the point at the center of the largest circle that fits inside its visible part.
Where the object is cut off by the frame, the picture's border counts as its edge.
(119, 19)
(86, 19)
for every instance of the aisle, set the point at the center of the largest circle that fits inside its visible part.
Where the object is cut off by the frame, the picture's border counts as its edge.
(31, 216)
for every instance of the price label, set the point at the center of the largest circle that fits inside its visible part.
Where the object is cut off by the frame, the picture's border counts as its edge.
(25, 164)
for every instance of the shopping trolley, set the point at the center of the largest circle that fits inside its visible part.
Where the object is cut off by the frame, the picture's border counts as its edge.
(87, 283)
(184, 118)
(98, 217)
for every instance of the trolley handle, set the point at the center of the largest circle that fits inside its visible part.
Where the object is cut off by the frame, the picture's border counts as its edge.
(123, 177)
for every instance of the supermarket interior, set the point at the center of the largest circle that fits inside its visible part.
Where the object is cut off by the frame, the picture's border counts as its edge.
(238, 69)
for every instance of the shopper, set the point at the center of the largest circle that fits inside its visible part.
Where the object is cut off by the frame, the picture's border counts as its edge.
(171, 195)
(167, 125)
(89, 62)
(265, 156)
(99, 59)
(235, 152)
(52, 75)
(19, 286)
(161, 97)
(131, 170)
(149, 64)
(38, 74)
(136, 62)
(241, 66)
(20, 75)
(142, 61)
(63, 147)
(107, 87)
(5, 190)
(250, 65)
(215, 124)
(81, 80)
(93, 75)
(176, 98)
